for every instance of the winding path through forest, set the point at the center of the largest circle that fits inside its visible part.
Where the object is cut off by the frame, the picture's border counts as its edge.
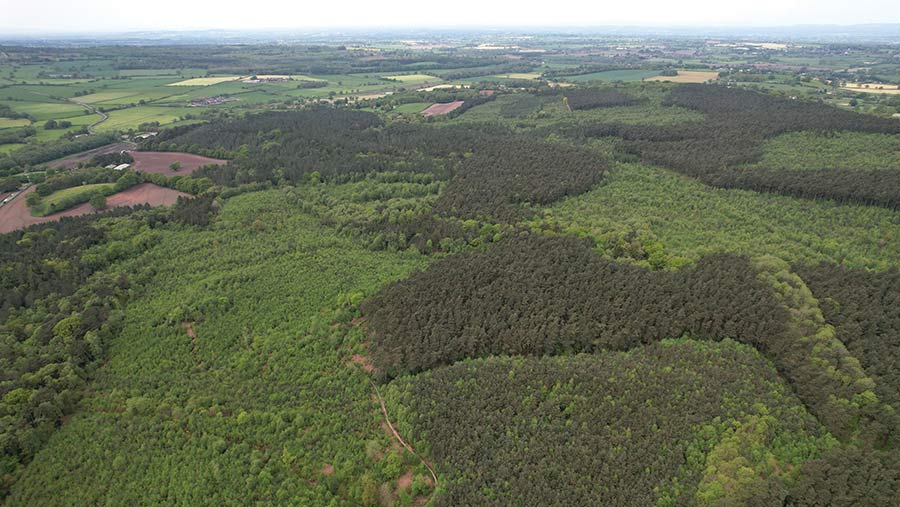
(408, 447)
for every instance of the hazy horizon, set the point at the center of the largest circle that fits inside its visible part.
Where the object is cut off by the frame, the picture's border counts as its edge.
(106, 16)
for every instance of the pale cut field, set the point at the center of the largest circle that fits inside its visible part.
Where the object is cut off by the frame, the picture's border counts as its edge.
(887, 89)
(205, 81)
(687, 76)
(521, 75)
(440, 87)
(413, 78)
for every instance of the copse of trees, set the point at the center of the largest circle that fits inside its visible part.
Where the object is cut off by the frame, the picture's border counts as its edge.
(54, 124)
(15, 136)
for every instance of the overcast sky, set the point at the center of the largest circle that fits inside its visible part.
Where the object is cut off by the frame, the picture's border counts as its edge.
(18, 16)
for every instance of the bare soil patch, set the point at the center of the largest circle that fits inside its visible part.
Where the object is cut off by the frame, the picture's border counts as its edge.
(327, 469)
(364, 362)
(159, 162)
(16, 215)
(687, 76)
(405, 481)
(442, 108)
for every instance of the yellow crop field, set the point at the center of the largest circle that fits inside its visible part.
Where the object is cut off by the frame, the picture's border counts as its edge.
(441, 87)
(413, 78)
(888, 89)
(687, 76)
(205, 81)
(521, 75)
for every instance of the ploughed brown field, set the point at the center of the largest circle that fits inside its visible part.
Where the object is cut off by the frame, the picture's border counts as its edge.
(441, 108)
(16, 215)
(159, 161)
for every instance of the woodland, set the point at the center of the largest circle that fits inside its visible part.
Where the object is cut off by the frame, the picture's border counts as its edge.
(627, 294)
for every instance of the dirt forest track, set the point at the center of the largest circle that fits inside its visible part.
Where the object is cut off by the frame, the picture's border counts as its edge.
(405, 445)
(15, 215)
(159, 162)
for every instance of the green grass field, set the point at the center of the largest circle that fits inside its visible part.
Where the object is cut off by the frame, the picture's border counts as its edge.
(130, 118)
(6, 148)
(413, 107)
(612, 75)
(43, 111)
(7, 123)
(413, 79)
(67, 197)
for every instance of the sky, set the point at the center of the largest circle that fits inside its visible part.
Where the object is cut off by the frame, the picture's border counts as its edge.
(86, 16)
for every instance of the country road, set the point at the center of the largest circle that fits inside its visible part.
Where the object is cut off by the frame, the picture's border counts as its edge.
(92, 109)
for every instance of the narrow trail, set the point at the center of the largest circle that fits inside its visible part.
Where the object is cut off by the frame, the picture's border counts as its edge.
(408, 447)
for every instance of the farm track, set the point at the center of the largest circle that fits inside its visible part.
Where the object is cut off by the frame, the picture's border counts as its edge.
(408, 447)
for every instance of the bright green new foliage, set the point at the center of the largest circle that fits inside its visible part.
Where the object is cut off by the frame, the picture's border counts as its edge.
(228, 384)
